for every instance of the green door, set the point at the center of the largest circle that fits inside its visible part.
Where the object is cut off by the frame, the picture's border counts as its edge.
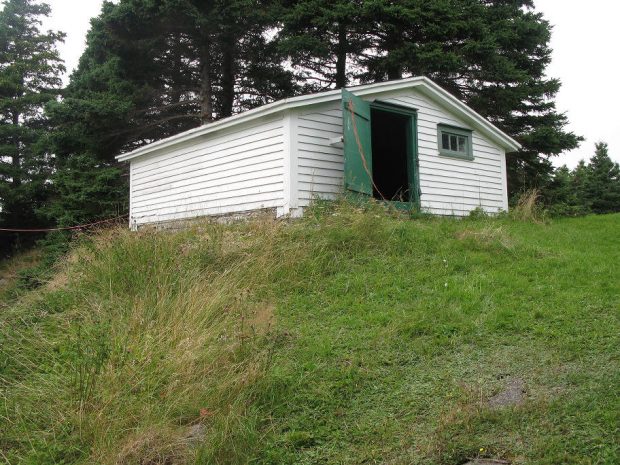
(357, 144)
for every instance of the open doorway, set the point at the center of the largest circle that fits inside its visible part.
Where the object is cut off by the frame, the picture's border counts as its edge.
(380, 150)
(391, 141)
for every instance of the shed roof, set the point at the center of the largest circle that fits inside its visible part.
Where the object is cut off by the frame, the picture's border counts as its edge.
(421, 83)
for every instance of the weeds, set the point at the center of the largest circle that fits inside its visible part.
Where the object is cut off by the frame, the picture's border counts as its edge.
(528, 207)
(149, 331)
(354, 335)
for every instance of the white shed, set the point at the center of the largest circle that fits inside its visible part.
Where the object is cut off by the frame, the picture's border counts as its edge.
(405, 141)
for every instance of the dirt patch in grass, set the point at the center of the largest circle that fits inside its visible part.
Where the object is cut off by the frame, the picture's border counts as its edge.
(261, 319)
(511, 395)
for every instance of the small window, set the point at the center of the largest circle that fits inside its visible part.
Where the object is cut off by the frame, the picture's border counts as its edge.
(455, 142)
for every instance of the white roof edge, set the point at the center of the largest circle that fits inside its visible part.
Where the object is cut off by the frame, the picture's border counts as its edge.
(321, 97)
(504, 139)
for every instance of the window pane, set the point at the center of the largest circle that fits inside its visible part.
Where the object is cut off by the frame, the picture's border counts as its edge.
(445, 141)
(456, 143)
(453, 143)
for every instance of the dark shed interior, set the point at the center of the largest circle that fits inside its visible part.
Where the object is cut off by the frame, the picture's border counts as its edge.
(389, 155)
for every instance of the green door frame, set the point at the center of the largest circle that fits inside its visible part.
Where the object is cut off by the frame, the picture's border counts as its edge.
(413, 163)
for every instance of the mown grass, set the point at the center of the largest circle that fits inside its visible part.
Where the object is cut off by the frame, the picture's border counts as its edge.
(351, 336)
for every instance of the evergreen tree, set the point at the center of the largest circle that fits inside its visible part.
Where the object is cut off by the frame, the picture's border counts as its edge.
(323, 40)
(561, 195)
(97, 118)
(491, 54)
(560, 189)
(579, 182)
(86, 189)
(225, 62)
(602, 182)
(130, 88)
(30, 70)
(592, 187)
(414, 37)
(153, 69)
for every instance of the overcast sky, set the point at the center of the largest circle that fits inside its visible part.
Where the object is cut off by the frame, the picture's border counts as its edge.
(585, 58)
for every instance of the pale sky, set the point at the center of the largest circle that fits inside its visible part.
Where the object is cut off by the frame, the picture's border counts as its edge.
(585, 41)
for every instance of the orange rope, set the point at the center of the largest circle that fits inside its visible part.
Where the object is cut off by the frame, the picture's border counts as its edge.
(69, 228)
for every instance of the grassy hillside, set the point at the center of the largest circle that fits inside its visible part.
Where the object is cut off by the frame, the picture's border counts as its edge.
(347, 337)
(10, 270)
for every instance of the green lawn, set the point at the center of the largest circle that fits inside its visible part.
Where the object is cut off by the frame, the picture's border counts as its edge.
(347, 337)
(396, 350)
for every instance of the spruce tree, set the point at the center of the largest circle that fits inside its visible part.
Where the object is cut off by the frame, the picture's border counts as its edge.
(129, 88)
(228, 62)
(602, 182)
(323, 40)
(97, 118)
(579, 182)
(30, 70)
(151, 70)
(592, 187)
(86, 189)
(561, 196)
(492, 54)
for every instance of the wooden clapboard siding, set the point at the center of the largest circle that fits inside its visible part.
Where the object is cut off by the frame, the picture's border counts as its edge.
(449, 185)
(320, 164)
(289, 154)
(233, 171)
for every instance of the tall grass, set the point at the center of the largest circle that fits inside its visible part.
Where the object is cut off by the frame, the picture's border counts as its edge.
(529, 207)
(147, 348)
(142, 344)
(357, 334)
(10, 273)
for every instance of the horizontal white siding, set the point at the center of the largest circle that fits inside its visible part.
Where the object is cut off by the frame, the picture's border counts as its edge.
(320, 165)
(235, 171)
(287, 160)
(449, 186)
